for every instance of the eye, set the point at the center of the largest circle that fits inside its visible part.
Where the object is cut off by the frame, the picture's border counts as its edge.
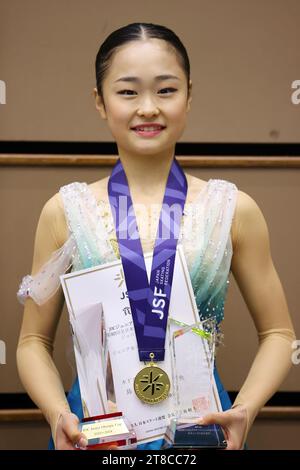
(124, 92)
(170, 89)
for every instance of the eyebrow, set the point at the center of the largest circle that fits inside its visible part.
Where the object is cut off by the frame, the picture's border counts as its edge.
(158, 78)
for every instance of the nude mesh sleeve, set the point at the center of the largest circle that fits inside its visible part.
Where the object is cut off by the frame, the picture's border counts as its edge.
(37, 370)
(259, 283)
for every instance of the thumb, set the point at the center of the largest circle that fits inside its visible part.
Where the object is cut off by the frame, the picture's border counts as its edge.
(72, 430)
(213, 418)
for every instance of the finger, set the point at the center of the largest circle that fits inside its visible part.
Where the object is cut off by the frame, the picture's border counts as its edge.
(83, 442)
(71, 429)
(232, 445)
(215, 418)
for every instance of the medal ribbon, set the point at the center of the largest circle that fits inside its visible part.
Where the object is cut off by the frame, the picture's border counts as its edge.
(149, 302)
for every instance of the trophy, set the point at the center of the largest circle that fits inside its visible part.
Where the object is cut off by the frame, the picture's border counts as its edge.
(193, 352)
(103, 424)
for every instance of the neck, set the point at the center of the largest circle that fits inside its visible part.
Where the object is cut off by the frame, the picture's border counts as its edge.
(146, 174)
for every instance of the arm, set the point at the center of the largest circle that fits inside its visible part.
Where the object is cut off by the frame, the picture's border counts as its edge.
(35, 363)
(258, 281)
(35, 348)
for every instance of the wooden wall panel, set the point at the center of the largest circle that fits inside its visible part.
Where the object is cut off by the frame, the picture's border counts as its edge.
(244, 59)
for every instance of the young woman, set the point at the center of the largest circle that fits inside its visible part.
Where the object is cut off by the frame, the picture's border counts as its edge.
(144, 93)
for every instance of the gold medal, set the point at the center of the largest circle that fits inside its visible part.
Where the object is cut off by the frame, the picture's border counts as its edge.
(152, 384)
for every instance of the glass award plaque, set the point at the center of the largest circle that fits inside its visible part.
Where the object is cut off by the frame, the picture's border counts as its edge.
(103, 424)
(193, 351)
(186, 433)
(108, 430)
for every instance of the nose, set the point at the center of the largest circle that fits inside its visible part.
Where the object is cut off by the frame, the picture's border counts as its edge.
(147, 107)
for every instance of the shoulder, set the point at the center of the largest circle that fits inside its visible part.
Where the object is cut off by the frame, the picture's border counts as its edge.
(248, 219)
(53, 208)
(246, 207)
(53, 217)
(99, 189)
(195, 186)
(53, 220)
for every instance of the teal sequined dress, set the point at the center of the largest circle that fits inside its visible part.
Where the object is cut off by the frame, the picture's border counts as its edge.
(205, 239)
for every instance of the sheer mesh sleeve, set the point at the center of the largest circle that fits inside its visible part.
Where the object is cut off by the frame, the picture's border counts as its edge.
(262, 290)
(43, 285)
(54, 250)
(54, 253)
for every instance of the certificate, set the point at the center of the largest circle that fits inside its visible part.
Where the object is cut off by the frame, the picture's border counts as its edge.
(98, 307)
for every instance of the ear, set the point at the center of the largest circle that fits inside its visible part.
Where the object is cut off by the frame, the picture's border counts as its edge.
(100, 106)
(190, 96)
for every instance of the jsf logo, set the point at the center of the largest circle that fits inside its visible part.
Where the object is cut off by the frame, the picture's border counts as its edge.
(158, 302)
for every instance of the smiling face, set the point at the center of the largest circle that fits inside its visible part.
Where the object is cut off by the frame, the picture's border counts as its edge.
(145, 83)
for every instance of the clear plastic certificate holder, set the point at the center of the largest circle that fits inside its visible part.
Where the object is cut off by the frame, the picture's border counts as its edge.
(110, 428)
(193, 350)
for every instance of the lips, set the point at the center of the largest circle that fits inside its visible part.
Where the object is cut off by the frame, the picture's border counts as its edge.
(148, 132)
(148, 127)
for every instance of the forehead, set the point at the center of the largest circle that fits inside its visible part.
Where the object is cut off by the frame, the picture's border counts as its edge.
(144, 58)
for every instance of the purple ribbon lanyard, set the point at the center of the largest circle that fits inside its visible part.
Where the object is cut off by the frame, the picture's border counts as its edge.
(149, 303)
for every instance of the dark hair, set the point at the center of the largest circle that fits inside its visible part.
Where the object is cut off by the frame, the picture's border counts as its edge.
(134, 32)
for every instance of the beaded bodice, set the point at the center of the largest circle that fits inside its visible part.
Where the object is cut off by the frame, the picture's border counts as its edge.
(204, 236)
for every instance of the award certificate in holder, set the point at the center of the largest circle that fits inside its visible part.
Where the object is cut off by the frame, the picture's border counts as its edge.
(108, 362)
(189, 344)
(102, 424)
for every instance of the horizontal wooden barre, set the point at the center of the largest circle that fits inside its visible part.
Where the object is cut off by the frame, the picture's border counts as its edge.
(268, 412)
(21, 415)
(279, 412)
(185, 161)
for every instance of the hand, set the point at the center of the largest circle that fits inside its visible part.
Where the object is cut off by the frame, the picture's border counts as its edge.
(234, 423)
(67, 433)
